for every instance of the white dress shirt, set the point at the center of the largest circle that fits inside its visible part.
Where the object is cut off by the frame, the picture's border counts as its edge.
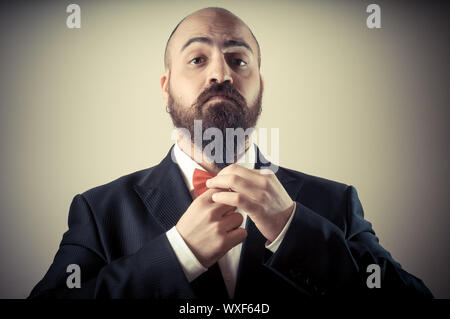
(229, 263)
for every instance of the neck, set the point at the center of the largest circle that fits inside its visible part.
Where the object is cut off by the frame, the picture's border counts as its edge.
(191, 149)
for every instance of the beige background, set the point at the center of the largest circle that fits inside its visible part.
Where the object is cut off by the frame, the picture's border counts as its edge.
(80, 108)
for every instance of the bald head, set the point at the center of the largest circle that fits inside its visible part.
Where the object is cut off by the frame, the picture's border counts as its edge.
(215, 20)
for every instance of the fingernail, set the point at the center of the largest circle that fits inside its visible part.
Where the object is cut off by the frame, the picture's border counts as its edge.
(213, 196)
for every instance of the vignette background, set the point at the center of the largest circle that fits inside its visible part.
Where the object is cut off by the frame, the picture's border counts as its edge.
(79, 108)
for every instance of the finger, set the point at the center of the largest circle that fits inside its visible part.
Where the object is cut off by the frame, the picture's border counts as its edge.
(206, 196)
(229, 212)
(238, 170)
(206, 203)
(222, 211)
(245, 172)
(252, 187)
(219, 211)
(205, 199)
(234, 182)
(239, 200)
(231, 221)
(263, 171)
(236, 236)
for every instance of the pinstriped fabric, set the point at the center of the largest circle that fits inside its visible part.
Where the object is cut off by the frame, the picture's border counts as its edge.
(166, 197)
(117, 236)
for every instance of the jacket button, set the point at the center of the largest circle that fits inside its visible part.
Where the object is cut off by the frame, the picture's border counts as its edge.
(308, 281)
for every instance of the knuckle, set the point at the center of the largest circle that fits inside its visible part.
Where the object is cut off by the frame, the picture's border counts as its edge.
(212, 191)
(265, 197)
(265, 183)
(239, 198)
(242, 234)
(217, 229)
(226, 170)
(205, 197)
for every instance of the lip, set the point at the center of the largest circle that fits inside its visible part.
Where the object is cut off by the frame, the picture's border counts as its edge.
(219, 98)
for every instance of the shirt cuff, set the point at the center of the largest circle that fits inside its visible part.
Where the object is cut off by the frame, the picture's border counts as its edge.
(273, 246)
(192, 268)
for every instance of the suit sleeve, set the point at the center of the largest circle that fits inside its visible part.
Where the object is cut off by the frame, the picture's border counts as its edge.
(318, 257)
(152, 272)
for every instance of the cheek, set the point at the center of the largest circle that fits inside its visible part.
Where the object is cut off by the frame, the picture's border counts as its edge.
(185, 89)
(249, 89)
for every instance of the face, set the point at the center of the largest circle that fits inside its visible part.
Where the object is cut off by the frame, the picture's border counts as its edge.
(213, 74)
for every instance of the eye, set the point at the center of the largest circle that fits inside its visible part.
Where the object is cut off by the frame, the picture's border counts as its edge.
(239, 62)
(197, 60)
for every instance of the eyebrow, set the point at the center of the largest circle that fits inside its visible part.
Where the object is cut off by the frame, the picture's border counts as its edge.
(225, 44)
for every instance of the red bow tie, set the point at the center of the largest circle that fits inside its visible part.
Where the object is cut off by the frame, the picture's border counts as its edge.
(199, 181)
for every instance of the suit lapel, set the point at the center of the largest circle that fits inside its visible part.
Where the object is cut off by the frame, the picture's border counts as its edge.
(164, 193)
(254, 253)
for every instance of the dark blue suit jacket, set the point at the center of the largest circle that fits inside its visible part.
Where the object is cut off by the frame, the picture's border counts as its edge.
(117, 237)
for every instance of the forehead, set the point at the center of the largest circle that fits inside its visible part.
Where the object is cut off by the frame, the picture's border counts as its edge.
(217, 27)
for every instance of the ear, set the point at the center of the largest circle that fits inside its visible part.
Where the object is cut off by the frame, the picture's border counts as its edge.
(164, 82)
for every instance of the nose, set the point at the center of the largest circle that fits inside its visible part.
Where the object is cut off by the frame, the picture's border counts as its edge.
(219, 71)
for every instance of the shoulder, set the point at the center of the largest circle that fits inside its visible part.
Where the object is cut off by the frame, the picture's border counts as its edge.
(313, 183)
(326, 197)
(117, 189)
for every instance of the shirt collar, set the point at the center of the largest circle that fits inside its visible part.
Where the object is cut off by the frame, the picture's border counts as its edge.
(188, 165)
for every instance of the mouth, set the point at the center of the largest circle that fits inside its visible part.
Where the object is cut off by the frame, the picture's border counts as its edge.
(219, 98)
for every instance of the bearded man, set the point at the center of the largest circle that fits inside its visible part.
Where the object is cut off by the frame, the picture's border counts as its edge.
(213, 225)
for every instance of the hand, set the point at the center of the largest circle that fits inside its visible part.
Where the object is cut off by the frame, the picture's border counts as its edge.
(257, 192)
(210, 229)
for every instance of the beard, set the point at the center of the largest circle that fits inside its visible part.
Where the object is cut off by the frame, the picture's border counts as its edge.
(232, 113)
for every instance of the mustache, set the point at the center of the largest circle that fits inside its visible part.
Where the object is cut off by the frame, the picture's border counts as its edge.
(225, 89)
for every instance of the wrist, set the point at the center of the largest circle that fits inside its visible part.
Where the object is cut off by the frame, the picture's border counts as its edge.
(281, 223)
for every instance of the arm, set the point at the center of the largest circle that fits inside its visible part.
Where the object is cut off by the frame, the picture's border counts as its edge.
(319, 257)
(151, 272)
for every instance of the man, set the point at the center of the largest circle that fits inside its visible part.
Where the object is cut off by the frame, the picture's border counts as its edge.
(248, 232)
